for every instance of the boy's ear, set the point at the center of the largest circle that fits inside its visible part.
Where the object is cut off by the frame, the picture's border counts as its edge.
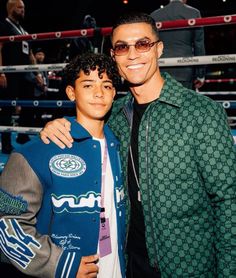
(70, 91)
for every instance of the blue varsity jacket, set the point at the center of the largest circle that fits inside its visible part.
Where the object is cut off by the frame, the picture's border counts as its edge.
(49, 204)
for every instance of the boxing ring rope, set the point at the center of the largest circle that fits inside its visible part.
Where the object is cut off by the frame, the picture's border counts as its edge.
(176, 61)
(227, 104)
(197, 22)
(213, 93)
(179, 61)
(105, 31)
(68, 104)
(221, 80)
(20, 129)
(64, 104)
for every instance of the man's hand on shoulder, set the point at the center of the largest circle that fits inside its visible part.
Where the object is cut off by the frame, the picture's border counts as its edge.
(57, 131)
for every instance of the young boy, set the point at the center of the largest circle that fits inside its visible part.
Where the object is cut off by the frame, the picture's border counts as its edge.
(62, 211)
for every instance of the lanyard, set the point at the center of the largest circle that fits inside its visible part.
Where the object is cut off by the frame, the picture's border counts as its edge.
(19, 29)
(135, 174)
(132, 161)
(104, 165)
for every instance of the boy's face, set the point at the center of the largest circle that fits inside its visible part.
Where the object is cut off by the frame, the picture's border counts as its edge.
(93, 96)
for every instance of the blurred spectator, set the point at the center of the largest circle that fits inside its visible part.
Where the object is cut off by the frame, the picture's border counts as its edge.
(32, 116)
(14, 85)
(40, 90)
(185, 42)
(85, 44)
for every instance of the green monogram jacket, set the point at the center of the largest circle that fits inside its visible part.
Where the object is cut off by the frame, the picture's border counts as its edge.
(187, 181)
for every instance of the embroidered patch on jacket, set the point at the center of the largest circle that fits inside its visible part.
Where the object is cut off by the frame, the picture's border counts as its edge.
(68, 241)
(67, 165)
(85, 203)
(10, 204)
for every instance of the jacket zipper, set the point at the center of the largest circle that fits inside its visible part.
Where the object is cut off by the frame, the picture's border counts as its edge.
(149, 203)
(129, 119)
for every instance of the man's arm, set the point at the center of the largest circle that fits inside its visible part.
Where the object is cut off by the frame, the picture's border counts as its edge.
(57, 131)
(216, 155)
(32, 58)
(3, 80)
(199, 50)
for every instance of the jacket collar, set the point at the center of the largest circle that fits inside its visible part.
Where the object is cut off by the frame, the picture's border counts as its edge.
(172, 94)
(78, 132)
(172, 91)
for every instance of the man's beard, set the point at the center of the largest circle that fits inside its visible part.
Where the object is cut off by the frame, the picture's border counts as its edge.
(17, 16)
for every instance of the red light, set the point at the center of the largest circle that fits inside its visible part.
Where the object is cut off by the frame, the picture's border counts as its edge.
(125, 1)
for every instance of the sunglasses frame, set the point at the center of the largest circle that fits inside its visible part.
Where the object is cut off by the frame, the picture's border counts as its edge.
(127, 46)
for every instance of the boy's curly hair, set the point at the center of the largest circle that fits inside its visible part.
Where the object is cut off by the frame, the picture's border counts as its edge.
(88, 62)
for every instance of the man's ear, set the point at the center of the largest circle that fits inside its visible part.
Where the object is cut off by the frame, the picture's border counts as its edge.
(112, 54)
(70, 91)
(114, 93)
(160, 47)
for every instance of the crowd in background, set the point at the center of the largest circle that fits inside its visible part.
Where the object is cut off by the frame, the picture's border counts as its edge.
(48, 85)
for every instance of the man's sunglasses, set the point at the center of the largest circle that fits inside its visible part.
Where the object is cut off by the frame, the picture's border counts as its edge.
(140, 46)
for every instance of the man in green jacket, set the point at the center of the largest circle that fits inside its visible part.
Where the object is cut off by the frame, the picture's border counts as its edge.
(180, 161)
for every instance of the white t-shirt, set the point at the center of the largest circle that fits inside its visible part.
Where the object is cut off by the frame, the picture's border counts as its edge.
(109, 266)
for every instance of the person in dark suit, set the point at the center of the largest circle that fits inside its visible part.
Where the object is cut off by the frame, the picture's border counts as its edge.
(39, 93)
(14, 85)
(184, 42)
(83, 44)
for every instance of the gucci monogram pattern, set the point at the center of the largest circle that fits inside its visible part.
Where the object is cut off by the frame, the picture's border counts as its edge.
(187, 166)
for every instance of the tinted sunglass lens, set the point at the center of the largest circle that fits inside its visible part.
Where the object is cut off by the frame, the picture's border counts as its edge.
(142, 45)
(121, 49)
